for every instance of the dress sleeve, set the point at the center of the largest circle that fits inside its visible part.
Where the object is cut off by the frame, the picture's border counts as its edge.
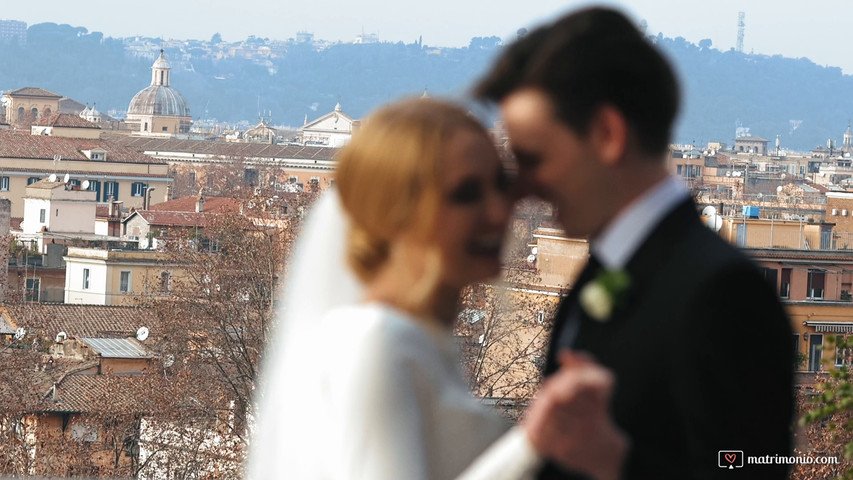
(380, 405)
(512, 457)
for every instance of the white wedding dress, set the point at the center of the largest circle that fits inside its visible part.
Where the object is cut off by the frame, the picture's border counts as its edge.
(363, 391)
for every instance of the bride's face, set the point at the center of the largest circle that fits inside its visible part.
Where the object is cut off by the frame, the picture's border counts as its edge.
(474, 209)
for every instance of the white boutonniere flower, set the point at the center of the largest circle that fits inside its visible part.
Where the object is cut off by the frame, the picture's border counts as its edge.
(600, 296)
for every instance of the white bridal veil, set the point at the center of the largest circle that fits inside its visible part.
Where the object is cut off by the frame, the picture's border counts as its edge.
(317, 281)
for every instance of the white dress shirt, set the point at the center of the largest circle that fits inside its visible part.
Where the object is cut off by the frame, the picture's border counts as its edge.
(615, 246)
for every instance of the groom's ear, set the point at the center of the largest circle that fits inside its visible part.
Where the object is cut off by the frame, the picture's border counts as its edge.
(609, 134)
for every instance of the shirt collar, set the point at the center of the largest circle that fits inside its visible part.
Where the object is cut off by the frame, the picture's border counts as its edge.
(624, 235)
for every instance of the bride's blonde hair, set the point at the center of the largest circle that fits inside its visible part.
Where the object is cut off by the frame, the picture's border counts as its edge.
(389, 181)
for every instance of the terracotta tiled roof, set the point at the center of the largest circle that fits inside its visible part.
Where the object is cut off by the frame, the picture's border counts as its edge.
(187, 204)
(234, 150)
(46, 320)
(67, 120)
(173, 219)
(14, 145)
(32, 92)
(100, 394)
(48, 169)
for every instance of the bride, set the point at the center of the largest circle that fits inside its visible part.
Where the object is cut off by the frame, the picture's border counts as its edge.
(362, 380)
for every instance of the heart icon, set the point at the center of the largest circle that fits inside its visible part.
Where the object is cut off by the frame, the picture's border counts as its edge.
(731, 457)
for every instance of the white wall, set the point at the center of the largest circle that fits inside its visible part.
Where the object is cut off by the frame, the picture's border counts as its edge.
(74, 291)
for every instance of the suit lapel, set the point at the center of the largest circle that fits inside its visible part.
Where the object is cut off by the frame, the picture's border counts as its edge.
(641, 268)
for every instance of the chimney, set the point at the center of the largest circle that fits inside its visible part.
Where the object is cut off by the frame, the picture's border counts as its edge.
(199, 204)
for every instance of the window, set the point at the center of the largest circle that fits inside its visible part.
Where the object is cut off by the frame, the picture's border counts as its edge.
(110, 190)
(42, 215)
(86, 433)
(785, 284)
(165, 282)
(540, 317)
(137, 189)
(75, 182)
(20, 113)
(250, 176)
(842, 355)
(815, 350)
(4, 184)
(802, 169)
(678, 169)
(292, 179)
(95, 186)
(770, 275)
(165, 129)
(32, 180)
(124, 282)
(35, 112)
(816, 282)
(85, 279)
(33, 289)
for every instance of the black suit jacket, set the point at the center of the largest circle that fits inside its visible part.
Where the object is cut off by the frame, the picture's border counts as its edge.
(701, 350)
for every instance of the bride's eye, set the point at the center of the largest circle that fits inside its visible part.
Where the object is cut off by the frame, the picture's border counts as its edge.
(469, 191)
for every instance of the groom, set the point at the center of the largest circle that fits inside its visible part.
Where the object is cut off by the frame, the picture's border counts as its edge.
(699, 344)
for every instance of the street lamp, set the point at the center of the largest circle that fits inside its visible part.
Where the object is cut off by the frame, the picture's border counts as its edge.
(147, 201)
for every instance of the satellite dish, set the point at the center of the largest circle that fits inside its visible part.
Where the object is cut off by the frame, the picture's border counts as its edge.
(61, 336)
(169, 361)
(760, 195)
(20, 333)
(534, 250)
(66, 178)
(142, 334)
(709, 210)
(531, 259)
(714, 222)
(85, 185)
(52, 177)
(779, 189)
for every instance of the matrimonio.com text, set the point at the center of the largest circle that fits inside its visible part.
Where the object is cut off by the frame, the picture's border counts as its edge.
(732, 459)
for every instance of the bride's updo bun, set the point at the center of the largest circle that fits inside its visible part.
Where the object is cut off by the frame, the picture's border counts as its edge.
(389, 179)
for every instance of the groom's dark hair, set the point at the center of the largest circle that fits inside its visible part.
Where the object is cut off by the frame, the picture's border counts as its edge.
(587, 59)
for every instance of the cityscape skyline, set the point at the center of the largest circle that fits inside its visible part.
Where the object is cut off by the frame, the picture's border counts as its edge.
(814, 30)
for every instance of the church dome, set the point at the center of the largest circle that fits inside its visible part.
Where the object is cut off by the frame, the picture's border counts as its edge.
(159, 100)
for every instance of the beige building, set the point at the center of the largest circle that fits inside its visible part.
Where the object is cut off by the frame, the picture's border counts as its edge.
(117, 277)
(113, 171)
(29, 104)
(159, 109)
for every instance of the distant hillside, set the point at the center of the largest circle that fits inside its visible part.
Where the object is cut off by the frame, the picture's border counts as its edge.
(802, 102)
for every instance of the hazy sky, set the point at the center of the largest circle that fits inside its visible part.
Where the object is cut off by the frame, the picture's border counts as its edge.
(818, 30)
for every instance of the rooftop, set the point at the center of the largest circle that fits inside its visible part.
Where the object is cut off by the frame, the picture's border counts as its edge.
(47, 319)
(15, 145)
(66, 120)
(32, 92)
(233, 150)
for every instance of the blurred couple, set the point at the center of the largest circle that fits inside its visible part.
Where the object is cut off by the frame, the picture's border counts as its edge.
(649, 372)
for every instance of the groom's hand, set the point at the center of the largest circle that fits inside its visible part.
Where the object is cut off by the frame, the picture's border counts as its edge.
(569, 421)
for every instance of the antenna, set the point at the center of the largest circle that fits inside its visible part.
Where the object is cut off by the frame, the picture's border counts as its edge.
(20, 333)
(142, 334)
(61, 336)
(741, 26)
(169, 361)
